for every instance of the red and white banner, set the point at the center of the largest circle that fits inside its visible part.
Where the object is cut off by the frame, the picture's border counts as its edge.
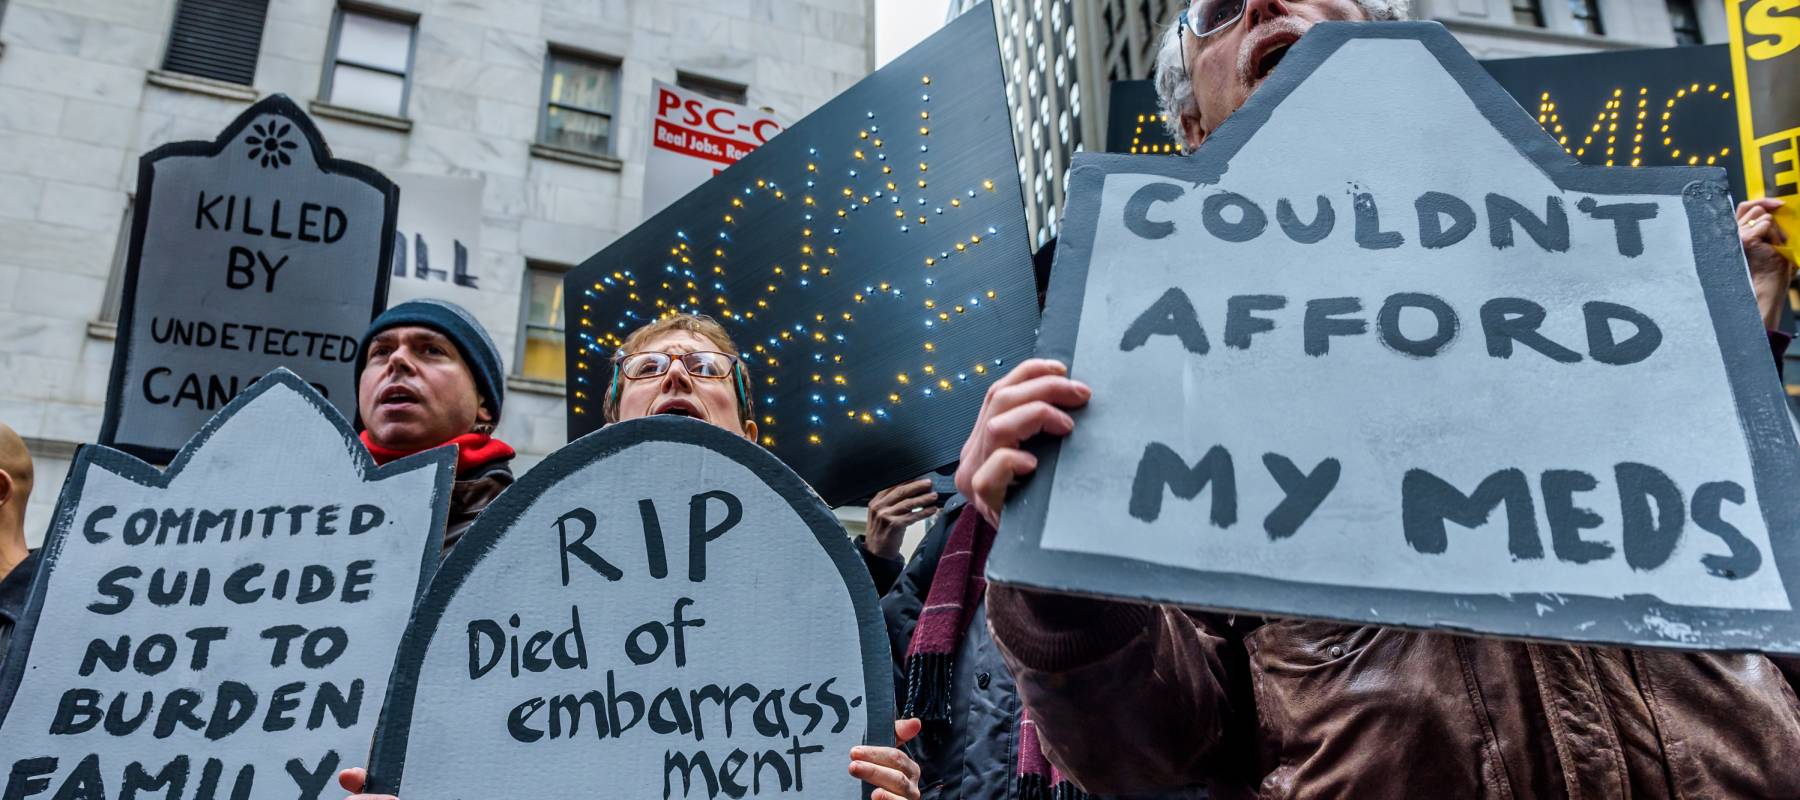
(694, 137)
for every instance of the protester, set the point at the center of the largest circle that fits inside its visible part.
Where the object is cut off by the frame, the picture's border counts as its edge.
(1133, 697)
(430, 376)
(891, 511)
(17, 564)
(686, 365)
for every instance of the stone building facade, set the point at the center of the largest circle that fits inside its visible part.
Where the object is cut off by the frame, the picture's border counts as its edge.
(518, 127)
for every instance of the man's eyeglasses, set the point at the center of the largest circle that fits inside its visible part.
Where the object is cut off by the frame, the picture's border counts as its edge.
(700, 364)
(1204, 18)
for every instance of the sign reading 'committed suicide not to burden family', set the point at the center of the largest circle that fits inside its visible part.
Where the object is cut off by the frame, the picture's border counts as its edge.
(224, 629)
(248, 253)
(659, 609)
(1382, 352)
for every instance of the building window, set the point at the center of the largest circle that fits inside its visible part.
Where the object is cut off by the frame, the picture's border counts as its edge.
(1586, 15)
(1528, 13)
(580, 95)
(1685, 20)
(217, 39)
(369, 64)
(541, 328)
(115, 277)
(715, 89)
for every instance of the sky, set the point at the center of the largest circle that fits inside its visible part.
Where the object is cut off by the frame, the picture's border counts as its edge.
(900, 24)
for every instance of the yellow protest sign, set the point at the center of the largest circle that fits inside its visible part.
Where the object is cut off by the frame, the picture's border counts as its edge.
(1765, 64)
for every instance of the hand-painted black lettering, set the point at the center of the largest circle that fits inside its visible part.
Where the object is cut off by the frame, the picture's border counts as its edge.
(1301, 492)
(91, 529)
(1432, 208)
(233, 705)
(1387, 324)
(1709, 505)
(1241, 323)
(1567, 520)
(1604, 348)
(1162, 467)
(1369, 235)
(1551, 231)
(1505, 320)
(1324, 319)
(579, 548)
(1626, 219)
(313, 782)
(1324, 219)
(1428, 501)
(654, 554)
(1250, 222)
(365, 518)
(112, 587)
(1651, 515)
(1171, 315)
(700, 533)
(1137, 210)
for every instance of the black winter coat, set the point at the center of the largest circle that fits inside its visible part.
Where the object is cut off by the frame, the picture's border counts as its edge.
(976, 755)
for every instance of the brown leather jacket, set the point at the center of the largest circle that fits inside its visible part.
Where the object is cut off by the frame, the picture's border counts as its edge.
(1132, 697)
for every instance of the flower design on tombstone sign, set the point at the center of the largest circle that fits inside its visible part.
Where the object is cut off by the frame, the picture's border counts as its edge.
(267, 144)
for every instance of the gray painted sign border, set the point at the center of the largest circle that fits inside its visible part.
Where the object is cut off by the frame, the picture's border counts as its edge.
(1019, 559)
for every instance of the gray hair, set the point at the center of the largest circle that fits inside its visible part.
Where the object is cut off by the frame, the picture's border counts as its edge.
(1174, 90)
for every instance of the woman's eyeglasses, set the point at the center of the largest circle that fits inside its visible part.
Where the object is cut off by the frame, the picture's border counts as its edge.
(700, 364)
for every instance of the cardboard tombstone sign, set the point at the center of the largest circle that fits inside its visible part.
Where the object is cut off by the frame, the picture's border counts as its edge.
(1382, 352)
(659, 609)
(872, 261)
(254, 251)
(225, 628)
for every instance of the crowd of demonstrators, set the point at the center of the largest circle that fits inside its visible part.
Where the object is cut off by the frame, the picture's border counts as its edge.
(1134, 697)
(429, 375)
(17, 564)
(683, 365)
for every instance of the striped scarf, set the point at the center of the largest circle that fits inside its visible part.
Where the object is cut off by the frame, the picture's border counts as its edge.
(957, 589)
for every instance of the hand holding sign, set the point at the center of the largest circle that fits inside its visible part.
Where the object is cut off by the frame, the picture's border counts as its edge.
(1030, 400)
(1770, 271)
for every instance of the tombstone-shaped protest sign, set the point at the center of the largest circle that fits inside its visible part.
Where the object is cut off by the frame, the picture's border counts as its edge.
(872, 261)
(225, 628)
(659, 609)
(1381, 351)
(254, 251)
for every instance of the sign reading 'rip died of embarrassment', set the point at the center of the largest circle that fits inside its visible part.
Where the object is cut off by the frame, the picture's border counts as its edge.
(1382, 352)
(248, 253)
(659, 609)
(224, 629)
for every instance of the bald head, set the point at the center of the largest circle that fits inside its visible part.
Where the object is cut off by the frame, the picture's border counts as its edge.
(15, 492)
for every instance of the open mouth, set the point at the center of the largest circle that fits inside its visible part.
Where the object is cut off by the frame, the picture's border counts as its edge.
(1266, 62)
(679, 408)
(397, 396)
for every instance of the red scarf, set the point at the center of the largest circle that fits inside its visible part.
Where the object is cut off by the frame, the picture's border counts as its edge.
(472, 450)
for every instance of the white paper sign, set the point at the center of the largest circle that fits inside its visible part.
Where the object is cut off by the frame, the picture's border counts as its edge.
(1381, 351)
(659, 609)
(692, 138)
(224, 629)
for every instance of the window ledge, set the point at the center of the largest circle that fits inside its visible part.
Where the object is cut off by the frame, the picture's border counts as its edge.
(371, 118)
(98, 329)
(225, 90)
(567, 156)
(1585, 40)
(556, 389)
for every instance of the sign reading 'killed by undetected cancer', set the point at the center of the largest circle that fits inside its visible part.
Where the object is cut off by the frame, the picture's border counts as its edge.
(224, 629)
(1382, 352)
(252, 252)
(659, 609)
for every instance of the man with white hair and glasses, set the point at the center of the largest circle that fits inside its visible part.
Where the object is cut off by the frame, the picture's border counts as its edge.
(1129, 697)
